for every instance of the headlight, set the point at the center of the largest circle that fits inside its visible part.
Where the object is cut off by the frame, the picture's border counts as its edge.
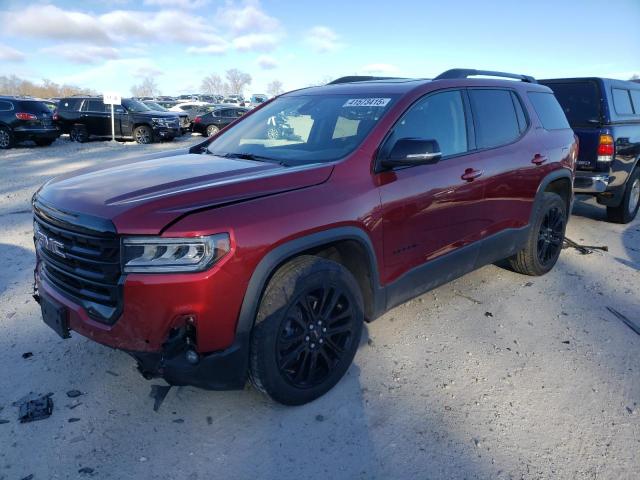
(160, 121)
(165, 255)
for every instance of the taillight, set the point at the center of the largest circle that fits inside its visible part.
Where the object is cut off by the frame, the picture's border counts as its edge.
(197, 120)
(26, 116)
(605, 148)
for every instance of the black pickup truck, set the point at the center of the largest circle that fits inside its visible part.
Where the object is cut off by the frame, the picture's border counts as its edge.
(84, 117)
(605, 115)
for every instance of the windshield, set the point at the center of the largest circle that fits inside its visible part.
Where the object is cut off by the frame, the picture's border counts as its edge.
(580, 102)
(134, 105)
(304, 129)
(155, 106)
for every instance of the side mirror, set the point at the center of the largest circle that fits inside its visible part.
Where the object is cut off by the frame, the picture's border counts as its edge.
(413, 151)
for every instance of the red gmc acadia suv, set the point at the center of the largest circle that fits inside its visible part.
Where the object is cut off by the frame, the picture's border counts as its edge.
(258, 253)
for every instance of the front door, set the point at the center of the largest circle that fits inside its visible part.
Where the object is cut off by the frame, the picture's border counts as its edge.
(432, 210)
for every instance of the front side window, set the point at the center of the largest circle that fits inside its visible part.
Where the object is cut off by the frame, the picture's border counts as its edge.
(301, 129)
(437, 117)
(495, 117)
(622, 101)
(134, 105)
(549, 111)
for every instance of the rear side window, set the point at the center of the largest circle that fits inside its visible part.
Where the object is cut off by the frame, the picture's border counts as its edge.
(5, 106)
(622, 101)
(69, 104)
(635, 97)
(549, 111)
(495, 117)
(94, 106)
(437, 117)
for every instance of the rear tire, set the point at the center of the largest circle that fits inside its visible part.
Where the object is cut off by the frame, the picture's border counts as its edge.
(212, 130)
(78, 133)
(628, 209)
(6, 138)
(143, 135)
(307, 330)
(546, 237)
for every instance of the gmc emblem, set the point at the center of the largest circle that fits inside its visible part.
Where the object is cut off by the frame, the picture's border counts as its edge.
(50, 244)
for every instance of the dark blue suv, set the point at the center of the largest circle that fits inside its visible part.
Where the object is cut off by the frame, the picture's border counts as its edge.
(605, 115)
(25, 119)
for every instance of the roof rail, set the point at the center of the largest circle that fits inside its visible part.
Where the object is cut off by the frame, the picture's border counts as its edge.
(469, 72)
(357, 78)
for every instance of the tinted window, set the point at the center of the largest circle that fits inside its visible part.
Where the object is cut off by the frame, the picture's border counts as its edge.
(494, 117)
(5, 106)
(622, 101)
(69, 104)
(580, 102)
(437, 117)
(94, 106)
(549, 111)
(635, 96)
(226, 113)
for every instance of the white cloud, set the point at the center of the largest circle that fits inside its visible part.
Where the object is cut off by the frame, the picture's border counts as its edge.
(267, 62)
(189, 4)
(380, 68)
(49, 21)
(248, 19)
(79, 53)
(261, 42)
(217, 48)
(322, 39)
(115, 72)
(10, 54)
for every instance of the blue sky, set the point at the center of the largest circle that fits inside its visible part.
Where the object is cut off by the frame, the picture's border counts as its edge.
(111, 45)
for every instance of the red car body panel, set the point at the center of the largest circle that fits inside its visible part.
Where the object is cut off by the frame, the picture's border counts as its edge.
(411, 216)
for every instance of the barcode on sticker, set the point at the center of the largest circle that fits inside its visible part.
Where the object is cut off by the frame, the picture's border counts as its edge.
(366, 102)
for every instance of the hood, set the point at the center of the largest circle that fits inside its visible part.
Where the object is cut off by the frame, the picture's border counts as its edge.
(143, 196)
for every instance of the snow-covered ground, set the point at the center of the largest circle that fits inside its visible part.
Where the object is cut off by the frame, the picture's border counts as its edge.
(495, 375)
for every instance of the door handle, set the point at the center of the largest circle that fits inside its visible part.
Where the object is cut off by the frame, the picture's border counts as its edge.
(470, 174)
(539, 159)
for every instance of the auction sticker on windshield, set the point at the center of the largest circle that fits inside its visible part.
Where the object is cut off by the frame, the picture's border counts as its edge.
(367, 102)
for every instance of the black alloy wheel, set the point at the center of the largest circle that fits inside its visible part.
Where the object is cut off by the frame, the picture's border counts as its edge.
(316, 332)
(551, 235)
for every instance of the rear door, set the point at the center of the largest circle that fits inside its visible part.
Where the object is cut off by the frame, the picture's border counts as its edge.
(506, 145)
(95, 117)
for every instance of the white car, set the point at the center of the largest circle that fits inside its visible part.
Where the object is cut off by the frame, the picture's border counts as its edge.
(186, 106)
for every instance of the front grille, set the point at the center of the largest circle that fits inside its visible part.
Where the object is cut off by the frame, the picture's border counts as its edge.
(82, 265)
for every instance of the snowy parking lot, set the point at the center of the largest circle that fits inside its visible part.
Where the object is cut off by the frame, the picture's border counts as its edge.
(495, 375)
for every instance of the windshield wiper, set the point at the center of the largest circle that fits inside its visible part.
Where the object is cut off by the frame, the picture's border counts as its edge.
(251, 156)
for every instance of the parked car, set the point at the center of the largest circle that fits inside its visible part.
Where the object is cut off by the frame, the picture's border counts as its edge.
(605, 114)
(185, 122)
(193, 109)
(24, 119)
(212, 122)
(250, 257)
(231, 101)
(86, 117)
(257, 99)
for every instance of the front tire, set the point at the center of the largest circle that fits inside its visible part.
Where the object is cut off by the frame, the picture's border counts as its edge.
(628, 209)
(546, 237)
(212, 130)
(143, 135)
(307, 330)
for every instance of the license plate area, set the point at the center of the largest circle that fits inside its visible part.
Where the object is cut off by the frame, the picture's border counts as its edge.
(55, 315)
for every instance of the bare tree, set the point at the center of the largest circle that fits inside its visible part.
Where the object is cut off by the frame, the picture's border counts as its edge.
(275, 88)
(212, 84)
(635, 76)
(237, 80)
(13, 85)
(147, 88)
